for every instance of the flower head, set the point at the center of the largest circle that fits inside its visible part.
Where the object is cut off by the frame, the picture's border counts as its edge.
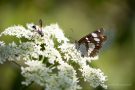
(50, 60)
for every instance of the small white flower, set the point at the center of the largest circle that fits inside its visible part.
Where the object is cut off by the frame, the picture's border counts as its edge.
(30, 26)
(54, 30)
(52, 54)
(2, 43)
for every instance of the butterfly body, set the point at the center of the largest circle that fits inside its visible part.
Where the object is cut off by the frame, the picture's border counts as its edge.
(94, 39)
(39, 28)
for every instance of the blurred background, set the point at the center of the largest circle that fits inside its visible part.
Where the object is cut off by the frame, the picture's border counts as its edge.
(78, 18)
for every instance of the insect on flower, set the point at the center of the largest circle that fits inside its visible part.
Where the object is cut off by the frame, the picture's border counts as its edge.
(39, 28)
(93, 40)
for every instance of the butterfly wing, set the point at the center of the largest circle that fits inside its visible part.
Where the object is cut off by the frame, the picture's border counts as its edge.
(95, 40)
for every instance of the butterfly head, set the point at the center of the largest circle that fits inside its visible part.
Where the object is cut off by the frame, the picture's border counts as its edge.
(101, 34)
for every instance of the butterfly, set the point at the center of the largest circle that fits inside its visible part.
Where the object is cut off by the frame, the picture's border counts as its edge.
(90, 44)
(39, 28)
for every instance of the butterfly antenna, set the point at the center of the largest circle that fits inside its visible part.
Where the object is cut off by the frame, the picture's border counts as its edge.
(40, 22)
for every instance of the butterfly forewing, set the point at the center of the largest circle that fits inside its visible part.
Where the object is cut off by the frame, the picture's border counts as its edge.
(95, 39)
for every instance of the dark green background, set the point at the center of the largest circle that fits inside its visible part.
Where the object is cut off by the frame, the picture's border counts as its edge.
(78, 18)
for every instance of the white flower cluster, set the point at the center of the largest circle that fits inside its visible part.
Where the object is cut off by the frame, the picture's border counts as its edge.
(14, 52)
(94, 76)
(38, 72)
(50, 60)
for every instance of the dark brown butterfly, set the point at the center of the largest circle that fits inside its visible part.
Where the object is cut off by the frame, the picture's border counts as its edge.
(39, 28)
(94, 39)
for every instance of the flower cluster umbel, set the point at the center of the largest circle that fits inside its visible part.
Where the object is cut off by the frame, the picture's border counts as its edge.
(50, 60)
